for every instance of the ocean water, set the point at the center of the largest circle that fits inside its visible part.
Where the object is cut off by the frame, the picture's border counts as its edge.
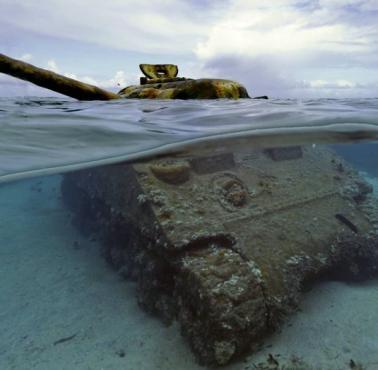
(44, 136)
(284, 179)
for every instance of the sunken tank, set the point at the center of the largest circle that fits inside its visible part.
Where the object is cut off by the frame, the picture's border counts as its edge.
(222, 243)
(225, 243)
(160, 81)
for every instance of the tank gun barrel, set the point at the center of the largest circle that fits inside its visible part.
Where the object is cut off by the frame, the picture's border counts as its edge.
(53, 81)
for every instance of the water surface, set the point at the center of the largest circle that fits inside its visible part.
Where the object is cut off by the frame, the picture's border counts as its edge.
(44, 136)
(55, 283)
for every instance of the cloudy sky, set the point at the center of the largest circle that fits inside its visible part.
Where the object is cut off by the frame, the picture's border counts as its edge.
(282, 48)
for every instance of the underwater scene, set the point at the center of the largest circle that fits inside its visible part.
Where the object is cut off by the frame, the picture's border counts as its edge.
(232, 234)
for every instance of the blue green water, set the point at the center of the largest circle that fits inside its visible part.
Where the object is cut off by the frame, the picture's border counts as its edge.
(56, 285)
(42, 136)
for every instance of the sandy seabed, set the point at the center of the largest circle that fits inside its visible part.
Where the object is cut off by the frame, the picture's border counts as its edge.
(62, 307)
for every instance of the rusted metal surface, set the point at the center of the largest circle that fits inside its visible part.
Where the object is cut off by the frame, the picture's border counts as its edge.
(160, 83)
(53, 81)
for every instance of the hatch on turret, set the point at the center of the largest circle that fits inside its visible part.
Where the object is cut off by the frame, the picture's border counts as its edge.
(155, 73)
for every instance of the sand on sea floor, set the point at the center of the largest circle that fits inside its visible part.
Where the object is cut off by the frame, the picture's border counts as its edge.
(373, 181)
(56, 286)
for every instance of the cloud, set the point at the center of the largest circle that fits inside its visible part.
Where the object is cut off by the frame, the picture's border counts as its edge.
(119, 80)
(52, 66)
(261, 75)
(271, 47)
(160, 26)
(251, 29)
(26, 57)
(279, 48)
(338, 84)
(10, 86)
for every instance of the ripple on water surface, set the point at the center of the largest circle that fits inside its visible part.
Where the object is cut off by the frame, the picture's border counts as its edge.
(44, 136)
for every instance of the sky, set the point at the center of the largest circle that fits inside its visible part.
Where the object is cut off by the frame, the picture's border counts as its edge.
(280, 48)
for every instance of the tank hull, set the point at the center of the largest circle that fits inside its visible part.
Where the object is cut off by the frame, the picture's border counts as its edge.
(224, 244)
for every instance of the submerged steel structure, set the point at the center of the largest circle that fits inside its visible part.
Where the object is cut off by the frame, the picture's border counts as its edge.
(222, 243)
(225, 243)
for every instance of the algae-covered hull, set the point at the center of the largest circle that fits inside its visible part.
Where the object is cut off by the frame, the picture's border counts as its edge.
(224, 243)
(186, 89)
(160, 82)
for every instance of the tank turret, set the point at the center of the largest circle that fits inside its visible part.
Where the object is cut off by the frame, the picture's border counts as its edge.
(160, 82)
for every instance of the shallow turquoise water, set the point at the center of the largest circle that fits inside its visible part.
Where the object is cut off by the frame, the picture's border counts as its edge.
(42, 136)
(55, 284)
